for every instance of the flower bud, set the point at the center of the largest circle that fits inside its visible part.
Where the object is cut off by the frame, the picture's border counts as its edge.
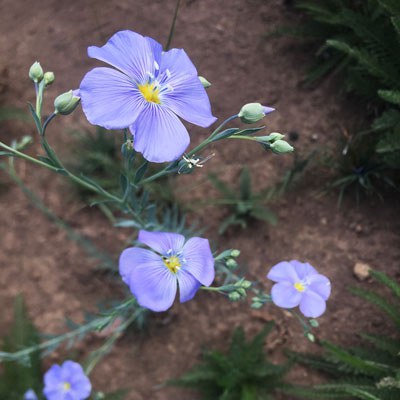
(234, 296)
(204, 82)
(256, 305)
(36, 72)
(231, 263)
(241, 291)
(253, 112)
(48, 78)
(235, 253)
(65, 103)
(281, 147)
(246, 284)
(274, 136)
(24, 142)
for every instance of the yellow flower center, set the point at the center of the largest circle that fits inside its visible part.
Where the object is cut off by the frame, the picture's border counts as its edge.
(66, 386)
(150, 92)
(172, 263)
(299, 287)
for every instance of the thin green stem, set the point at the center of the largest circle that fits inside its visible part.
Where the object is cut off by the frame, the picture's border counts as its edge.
(172, 29)
(222, 125)
(28, 158)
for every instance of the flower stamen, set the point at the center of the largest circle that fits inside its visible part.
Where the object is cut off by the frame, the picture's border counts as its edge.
(150, 92)
(66, 386)
(299, 287)
(173, 263)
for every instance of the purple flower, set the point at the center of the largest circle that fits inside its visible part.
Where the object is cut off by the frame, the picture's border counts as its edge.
(66, 382)
(299, 284)
(147, 92)
(154, 275)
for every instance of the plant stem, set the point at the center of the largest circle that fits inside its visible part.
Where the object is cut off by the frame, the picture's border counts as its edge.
(172, 30)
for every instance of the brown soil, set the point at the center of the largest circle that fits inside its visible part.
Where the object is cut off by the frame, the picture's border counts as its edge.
(225, 40)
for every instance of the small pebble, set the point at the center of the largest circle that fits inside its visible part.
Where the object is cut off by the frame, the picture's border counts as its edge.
(361, 271)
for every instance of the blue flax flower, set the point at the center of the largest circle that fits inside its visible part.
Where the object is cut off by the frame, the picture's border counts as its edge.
(299, 284)
(154, 275)
(147, 91)
(66, 382)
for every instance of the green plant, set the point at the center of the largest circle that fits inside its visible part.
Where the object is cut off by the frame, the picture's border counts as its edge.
(361, 41)
(241, 374)
(16, 378)
(370, 372)
(243, 204)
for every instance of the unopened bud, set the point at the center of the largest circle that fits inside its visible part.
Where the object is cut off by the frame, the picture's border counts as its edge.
(310, 337)
(231, 263)
(253, 112)
(281, 147)
(274, 136)
(246, 284)
(241, 291)
(256, 305)
(48, 78)
(36, 72)
(314, 323)
(24, 142)
(235, 253)
(65, 103)
(204, 82)
(234, 296)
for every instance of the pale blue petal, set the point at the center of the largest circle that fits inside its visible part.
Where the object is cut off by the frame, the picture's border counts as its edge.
(128, 51)
(30, 395)
(110, 99)
(285, 295)
(312, 305)
(129, 259)
(268, 110)
(176, 61)
(198, 260)
(303, 270)
(188, 286)
(162, 242)
(159, 135)
(320, 284)
(156, 49)
(150, 281)
(283, 271)
(53, 375)
(188, 99)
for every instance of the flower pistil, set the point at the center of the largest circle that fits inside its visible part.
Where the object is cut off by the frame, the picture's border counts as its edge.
(173, 263)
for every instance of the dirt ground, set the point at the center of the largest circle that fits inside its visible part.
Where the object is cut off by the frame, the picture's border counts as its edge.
(225, 39)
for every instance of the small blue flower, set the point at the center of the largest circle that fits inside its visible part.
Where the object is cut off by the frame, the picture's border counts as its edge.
(30, 395)
(299, 284)
(147, 91)
(154, 275)
(66, 382)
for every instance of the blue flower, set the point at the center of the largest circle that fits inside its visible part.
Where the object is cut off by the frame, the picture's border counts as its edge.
(154, 275)
(299, 284)
(147, 92)
(30, 395)
(66, 382)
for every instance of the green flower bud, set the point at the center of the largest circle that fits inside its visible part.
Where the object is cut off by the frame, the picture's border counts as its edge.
(48, 78)
(314, 323)
(24, 142)
(246, 284)
(281, 147)
(36, 72)
(256, 305)
(231, 263)
(310, 337)
(234, 296)
(242, 292)
(204, 82)
(235, 253)
(274, 136)
(65, 103)
(253, 112)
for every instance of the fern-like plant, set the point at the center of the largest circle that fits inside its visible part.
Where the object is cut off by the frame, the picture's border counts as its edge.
(369, 372)
(361, 41)
(241, 374)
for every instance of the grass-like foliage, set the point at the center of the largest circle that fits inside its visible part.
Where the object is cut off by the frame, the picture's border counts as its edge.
(16, 378)
(244, 205)
(361, 41)
(243, 373)
(371, 371)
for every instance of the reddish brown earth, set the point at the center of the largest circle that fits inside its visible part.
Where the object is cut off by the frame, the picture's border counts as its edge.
(225, 39)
